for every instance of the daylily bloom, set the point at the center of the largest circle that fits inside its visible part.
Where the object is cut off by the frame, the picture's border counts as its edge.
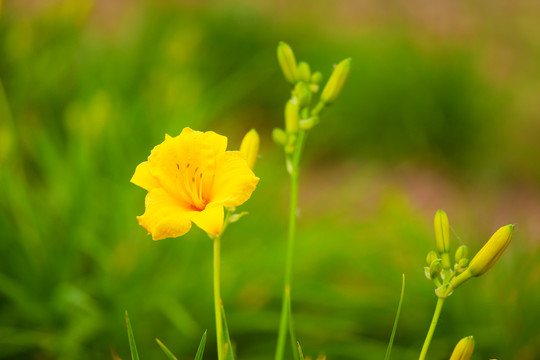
(191, 178)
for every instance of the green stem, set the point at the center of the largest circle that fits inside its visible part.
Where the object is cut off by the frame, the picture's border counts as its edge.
(217, 297)
(432, 327)
(293, 206)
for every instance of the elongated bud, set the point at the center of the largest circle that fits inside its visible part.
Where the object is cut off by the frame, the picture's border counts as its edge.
(487, 256)
(304, 72)
(292, 117)
(442, 232)
(279, 136)
(336, 82)
(491, 251)
(431, 256)
(250, 147)
(287, 62)
(302, 94)
(463, 349)
(461, 253)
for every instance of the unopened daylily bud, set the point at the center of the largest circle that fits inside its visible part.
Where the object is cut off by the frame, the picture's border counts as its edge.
(435, 268)
(336, 82)
(304, 72)
(279, 136)
(442, 232)
(292, 117)
(302, 94)
(431, 256)
(316, 78)
(491, 251)
(250, 147)
(463, 349)
(461, 253)
(287, 62)
(487, 256)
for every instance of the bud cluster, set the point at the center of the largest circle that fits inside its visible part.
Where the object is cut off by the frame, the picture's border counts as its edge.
(446, 277)
(300, 115)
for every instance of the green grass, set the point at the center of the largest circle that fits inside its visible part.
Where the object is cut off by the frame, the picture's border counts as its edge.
(82, 105)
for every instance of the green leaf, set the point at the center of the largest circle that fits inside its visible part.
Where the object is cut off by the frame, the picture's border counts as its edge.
(132, 345)
(387, 356)
(167, 352)
(229, 355)
(200, 350)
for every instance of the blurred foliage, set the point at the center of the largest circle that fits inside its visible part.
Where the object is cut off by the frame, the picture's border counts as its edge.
(89, 87)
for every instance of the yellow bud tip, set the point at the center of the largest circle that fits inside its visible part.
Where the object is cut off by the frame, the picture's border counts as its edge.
(491, 251)
(250, 147)
(463, 349)
(336, 82)
(287, 61)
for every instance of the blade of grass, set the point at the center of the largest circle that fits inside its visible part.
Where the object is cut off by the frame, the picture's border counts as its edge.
(200, 350)
(387, 356)
(292, 334)
(228, 350)
(300, 353)
(167, 352)
(132, 345)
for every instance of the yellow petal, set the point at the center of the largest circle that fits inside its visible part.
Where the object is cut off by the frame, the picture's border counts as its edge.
(144, 178)
(234, 181)
(210, 219)
(165, 216)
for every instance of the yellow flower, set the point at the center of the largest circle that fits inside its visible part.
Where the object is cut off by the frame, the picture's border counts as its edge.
(191, 178)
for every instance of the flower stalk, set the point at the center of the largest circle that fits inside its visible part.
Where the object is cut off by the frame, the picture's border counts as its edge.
(432, 327)
(217, 296)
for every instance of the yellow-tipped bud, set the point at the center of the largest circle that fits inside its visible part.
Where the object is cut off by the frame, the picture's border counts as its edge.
(491, 251)
(487, 256)
(292, 117)
(250, 147)
(463, 349)
(304, 72)
(336, 82)
(287, 62)
(442, 232)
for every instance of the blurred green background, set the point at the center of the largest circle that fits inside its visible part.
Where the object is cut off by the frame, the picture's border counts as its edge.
(441, 110)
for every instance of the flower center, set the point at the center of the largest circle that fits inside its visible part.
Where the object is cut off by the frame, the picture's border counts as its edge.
(191, 185)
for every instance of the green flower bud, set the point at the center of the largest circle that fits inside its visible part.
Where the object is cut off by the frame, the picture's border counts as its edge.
(304, 72)
(461, 253)
(431, 256)
(487, 256)
(250, 147)
(316, 78)
(287, 62)
(442, 232)
(336, 82)
(279, 136)
(302, 94)
(308, 124)
(292, 118)
(435, 268)
(463, 349)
